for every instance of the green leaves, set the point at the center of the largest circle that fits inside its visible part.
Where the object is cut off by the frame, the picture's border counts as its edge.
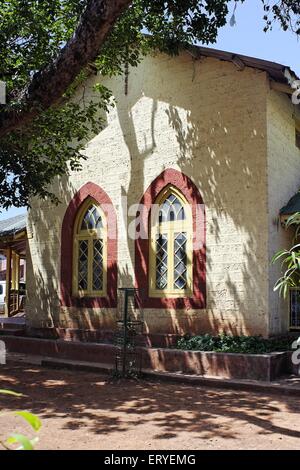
(22, 442)
(31, 419)
(290, 260)
(286, 12)
(9, 392)
(32, 32)
(31, 158)
(171, 25)
(234, 344)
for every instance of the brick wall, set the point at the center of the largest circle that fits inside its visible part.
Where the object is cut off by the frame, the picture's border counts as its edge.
(204, 118)
(283, 183)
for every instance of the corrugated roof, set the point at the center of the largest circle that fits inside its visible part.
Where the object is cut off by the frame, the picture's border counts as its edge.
(13, 225)
(292, 206)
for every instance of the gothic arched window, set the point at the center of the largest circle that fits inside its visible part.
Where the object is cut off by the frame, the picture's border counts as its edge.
(171, 245)
(90, 251)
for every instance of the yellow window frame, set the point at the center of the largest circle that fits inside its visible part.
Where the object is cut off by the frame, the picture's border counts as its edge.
(170, 228)
(90, 236)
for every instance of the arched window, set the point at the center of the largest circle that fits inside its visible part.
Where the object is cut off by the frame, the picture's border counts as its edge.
(171, 250)
(191, 295)
(90, 251)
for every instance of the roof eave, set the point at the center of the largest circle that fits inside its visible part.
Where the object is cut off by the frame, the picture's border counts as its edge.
(278, 72)
(10, 236)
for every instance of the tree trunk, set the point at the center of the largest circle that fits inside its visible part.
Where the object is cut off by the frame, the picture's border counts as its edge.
(47, 86)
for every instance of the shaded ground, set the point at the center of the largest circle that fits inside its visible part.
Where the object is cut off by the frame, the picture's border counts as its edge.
(81, 410)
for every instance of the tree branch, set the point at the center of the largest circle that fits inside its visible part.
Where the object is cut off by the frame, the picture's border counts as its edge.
(48, 85)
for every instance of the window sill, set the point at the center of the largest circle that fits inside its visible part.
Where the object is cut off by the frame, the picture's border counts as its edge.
(170, 295)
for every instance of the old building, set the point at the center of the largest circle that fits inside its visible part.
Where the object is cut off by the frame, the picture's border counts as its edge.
(206, 142)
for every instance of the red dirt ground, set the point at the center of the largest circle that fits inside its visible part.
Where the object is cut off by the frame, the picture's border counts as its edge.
(81, 410)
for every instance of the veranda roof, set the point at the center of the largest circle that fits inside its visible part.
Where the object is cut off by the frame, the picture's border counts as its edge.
(292, 206)
(13, 225)
(13, 234)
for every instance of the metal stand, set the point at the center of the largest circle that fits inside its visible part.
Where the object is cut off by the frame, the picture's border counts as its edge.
(128, 332)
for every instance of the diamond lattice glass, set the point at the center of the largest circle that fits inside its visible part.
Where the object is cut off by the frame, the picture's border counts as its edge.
(180, 261)
(161, 261)
(83, 265)
(97, 264)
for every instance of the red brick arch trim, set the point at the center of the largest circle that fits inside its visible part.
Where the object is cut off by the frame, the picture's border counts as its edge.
(194, 198)
(67, 299)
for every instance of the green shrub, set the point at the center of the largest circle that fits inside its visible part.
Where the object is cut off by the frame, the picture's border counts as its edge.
(235, 344)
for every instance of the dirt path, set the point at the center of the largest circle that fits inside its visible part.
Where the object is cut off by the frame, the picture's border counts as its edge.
(81, 410)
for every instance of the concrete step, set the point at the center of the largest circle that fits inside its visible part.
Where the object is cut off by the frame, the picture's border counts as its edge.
(12, 322)
(59, 349)
(54, 363)
(289, 385)
(12, 331)
(11, 326)
(284, 386)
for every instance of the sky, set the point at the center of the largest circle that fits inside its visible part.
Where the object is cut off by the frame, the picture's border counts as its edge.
(248, 38)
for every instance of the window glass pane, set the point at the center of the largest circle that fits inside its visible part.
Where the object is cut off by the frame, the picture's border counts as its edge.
(295, 308)
(161, 261)
(92, 219)
(171, 209)
(83, 264)
(97, 264)
(1, 289)
(180, 261)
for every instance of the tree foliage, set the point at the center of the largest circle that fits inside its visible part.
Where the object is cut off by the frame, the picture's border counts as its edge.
(286, 12)
(33, 33)
(289, 259)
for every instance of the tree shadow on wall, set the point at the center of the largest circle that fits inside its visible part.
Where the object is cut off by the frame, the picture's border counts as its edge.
(223, 157)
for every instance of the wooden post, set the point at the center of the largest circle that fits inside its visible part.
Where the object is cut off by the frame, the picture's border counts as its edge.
(14, 293)
(8, 282)
(13, 270)
(17, 281)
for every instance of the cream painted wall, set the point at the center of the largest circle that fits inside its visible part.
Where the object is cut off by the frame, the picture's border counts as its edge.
(207, 119)
(283, 183)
